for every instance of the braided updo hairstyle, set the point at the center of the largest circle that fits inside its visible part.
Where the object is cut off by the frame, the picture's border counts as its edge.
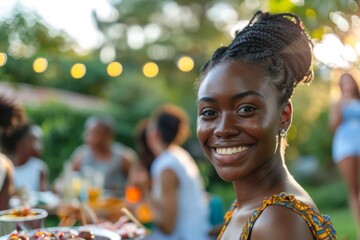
(278, 43)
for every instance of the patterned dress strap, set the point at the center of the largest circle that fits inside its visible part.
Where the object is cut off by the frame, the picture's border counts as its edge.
(320, 226)
(227, 218)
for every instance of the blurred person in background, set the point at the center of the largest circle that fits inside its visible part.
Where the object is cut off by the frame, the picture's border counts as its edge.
(102, 154)
(177, 196)
(10, 116)
(142, 166)
(23, 145)
(146, 156)
(345, 122)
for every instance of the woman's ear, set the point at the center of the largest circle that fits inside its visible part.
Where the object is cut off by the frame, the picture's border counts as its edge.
(286, 115)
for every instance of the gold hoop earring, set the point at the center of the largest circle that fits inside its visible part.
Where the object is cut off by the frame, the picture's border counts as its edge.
(283, 133)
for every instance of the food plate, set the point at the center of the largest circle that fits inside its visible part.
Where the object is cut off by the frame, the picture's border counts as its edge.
(100, 233)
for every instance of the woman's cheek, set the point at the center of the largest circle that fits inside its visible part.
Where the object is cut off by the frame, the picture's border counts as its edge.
(203, 130)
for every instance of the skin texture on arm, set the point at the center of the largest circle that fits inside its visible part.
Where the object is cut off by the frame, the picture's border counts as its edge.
(4, 194)
(335, 116)
(8, 188)
(280, 223)
(129, 161)
(44, 180)
(165, 209)
(76, 160)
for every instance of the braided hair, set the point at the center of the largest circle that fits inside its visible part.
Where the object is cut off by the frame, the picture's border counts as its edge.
(278, 43)
(10, 113)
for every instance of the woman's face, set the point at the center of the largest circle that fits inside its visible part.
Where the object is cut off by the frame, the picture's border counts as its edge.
(98, 136)
(238, 119)
(347, 85)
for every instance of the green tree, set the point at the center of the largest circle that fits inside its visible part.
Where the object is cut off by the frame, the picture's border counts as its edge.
(163, 31)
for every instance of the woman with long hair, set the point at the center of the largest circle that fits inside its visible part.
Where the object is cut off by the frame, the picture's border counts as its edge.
(345, 122)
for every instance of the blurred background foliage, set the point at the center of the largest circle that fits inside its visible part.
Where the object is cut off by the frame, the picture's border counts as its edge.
(139, 31)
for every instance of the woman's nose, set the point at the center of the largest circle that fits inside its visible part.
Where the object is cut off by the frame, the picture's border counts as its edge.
(226, 126)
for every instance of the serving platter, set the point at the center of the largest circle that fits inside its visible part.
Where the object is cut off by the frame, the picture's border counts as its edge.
(24, 217)
(100, 233)
(9, 216)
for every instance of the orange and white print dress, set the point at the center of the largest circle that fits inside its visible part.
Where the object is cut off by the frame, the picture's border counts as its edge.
(321, 226)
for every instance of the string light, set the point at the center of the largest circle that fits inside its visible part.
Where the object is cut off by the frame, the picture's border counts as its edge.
(150, 69)
(78, 70)
(114, 69)
(40, 65)
(185, 64)
(3, 59)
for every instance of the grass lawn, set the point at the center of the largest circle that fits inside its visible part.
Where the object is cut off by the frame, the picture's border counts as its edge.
(343, 222)
(331, 199)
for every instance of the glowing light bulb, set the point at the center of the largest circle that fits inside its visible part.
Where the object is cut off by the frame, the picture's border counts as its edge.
(185, 64)
(150, 69)
(114, 69)
(78, 70)
(40, 65)
(3, 59)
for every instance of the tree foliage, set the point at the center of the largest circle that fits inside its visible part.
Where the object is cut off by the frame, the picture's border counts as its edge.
(139, 31)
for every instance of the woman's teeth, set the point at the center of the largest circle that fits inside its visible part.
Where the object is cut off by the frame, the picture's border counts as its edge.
(228, 151)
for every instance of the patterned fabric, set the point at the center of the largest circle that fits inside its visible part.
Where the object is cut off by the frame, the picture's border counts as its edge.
(320, 226)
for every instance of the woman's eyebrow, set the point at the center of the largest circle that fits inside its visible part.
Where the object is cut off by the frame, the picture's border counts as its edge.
(245, 94)
(206, 99)
(235, 97)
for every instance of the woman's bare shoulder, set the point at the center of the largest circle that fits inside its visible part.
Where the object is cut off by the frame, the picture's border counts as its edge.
(279, 222)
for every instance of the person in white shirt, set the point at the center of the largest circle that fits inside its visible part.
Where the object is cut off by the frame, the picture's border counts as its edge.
(23, 145)
(177, 196)
(10, 115)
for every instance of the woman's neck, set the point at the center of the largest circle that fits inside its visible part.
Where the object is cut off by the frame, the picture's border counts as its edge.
(159, 148)
(271, 178)
(19, 159)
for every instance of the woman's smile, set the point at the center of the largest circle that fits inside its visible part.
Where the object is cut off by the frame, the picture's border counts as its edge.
(229, 155)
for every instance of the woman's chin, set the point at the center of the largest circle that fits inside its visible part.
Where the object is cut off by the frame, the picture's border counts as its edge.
(226, 175)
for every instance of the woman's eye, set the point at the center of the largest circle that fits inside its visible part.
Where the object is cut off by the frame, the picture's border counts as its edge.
(246, 109)
(208, 113)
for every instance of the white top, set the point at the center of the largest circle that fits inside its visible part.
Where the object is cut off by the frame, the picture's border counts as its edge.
(28, 175)
(192, 214)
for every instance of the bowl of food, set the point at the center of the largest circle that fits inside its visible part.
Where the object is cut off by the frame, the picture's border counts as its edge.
(21, 218)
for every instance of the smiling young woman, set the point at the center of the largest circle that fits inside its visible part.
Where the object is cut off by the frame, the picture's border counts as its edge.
(244, 111)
